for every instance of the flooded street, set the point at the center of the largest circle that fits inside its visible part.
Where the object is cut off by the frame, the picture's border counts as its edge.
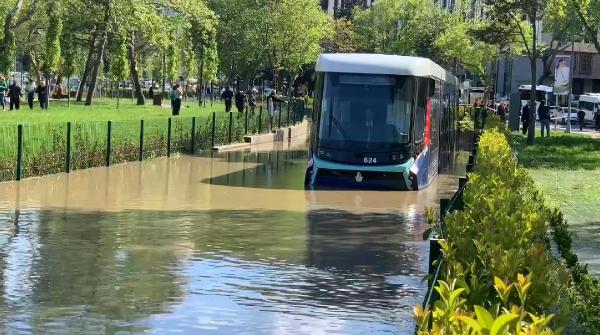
(229, 243)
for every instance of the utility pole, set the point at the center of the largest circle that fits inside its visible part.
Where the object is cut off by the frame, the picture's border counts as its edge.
(568, 128)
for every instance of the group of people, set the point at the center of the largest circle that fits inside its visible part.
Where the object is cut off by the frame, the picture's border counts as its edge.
(14, 93)
(543, 113)
(248, 98)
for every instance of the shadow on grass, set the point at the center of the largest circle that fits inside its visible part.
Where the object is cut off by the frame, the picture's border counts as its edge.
(561, 151)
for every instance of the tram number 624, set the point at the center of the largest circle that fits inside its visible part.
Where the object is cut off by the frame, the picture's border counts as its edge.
(370, 160)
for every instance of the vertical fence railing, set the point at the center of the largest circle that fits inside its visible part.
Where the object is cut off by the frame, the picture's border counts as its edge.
(69, 153)
(108, 143)
(193, 135)
(141, 142)
(19, 171)
(230, 124)
(212, 131)
(169, 130)
(260, 120)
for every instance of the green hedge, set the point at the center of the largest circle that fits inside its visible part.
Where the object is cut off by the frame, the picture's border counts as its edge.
(499, 276)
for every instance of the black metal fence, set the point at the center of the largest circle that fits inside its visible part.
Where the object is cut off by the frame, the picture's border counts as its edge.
(34, 150)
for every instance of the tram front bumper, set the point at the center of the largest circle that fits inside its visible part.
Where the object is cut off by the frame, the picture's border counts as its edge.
(333, 175)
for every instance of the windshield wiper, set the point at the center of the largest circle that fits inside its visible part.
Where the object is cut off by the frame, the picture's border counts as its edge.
(339, 127)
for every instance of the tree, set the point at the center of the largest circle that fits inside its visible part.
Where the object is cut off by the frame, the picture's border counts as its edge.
(522, 16)
(296, 30)
(343, 39)
(574, 15)
(118, 62)
(7, 43)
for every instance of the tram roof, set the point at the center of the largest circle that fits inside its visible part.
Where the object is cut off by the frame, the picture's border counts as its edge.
(383, 64)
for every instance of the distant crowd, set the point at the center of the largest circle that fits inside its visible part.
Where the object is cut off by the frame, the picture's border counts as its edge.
(14, 93)
(543, 114)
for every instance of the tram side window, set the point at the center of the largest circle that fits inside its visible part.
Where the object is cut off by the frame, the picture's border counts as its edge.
(421, 110)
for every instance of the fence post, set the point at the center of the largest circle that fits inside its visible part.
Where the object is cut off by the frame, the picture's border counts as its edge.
(287, 121)
(246, 122)
(108, 143)
(260, 120)
(19, 152)
(68, 158)
(279, 121)
(169, 123)
(230, 124)
(193, 135)
(141, 156)
(212, 131)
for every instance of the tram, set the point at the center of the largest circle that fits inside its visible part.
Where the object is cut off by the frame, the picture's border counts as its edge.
(381, 122)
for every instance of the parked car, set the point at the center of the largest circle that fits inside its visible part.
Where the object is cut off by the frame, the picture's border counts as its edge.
(562, 113)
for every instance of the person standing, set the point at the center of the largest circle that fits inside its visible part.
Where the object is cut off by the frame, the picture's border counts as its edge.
(176, 96)
(3, 90)
(597, 119)
(227, 96)
(30, 91)
(525, 118)
(252, 100)
(581, 119)
(151, 93)
(240, 101)
(42, 93)
(502, 111)
(544, 115)
(14, 92)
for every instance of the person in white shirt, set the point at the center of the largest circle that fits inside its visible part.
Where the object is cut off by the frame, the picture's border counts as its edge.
(30, 90)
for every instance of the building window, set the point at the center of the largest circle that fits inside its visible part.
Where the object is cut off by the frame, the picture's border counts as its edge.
(508, 64)
(585, 66)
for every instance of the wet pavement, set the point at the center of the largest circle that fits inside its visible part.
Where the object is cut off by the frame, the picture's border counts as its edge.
(229, 243)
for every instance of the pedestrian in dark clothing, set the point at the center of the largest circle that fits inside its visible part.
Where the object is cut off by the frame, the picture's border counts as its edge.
(151, 93)
(544, 115)
(3, 89)
(176, 95)
(227, 96)
(597, 119)
(525, 118)
(252, 100)
(30, 91)
(581, 119)
(42, 93)
(502, 111)
(240, 101)
(14, 92)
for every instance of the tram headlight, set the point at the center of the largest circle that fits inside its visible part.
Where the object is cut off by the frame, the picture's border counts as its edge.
(325, 154)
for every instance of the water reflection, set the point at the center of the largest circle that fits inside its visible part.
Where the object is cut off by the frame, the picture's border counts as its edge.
(154, 248)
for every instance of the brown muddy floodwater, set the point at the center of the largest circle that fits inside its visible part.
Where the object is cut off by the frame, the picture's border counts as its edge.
(228, 244)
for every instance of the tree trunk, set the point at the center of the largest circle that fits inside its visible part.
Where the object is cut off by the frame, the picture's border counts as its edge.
(532, 98)
(94, 73)
(86, 68)
(7, 47)
(134, 72)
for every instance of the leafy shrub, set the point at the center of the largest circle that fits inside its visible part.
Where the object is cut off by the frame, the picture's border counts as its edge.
(452, 315)
(499, 235)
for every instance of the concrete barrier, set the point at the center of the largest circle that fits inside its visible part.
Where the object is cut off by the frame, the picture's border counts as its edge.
(297, 133)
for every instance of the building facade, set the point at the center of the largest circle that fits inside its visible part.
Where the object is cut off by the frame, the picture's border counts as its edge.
(586, 71)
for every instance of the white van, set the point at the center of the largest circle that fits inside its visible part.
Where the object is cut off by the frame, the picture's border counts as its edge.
(589, 103)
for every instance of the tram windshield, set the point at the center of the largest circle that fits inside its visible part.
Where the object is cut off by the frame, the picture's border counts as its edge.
(366, 112)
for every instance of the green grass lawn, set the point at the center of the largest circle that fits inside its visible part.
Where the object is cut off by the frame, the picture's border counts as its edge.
(566, 168)
(102, 110)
